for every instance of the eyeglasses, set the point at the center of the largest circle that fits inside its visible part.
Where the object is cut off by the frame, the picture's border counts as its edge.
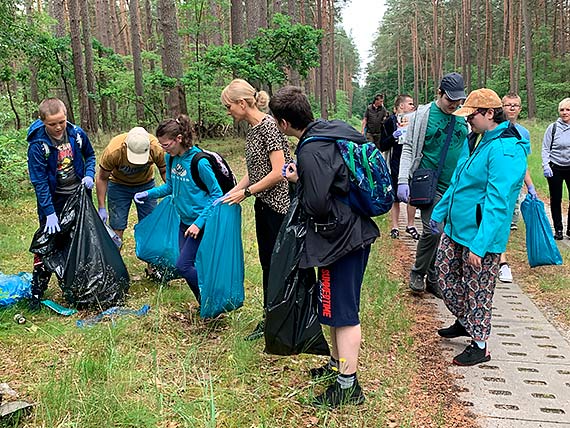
(476, 112)
(511, 105)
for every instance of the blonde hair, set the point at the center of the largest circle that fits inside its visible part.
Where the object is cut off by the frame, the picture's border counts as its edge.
(564, 103)
(239, 89)
(51, 106)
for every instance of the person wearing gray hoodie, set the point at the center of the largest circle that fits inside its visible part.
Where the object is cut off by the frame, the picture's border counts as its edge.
(556, 164)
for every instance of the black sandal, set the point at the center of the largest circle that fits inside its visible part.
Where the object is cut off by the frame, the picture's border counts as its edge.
(413, 232)
(394, 234)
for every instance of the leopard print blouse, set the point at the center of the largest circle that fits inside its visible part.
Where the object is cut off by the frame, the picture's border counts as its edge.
(261, 140)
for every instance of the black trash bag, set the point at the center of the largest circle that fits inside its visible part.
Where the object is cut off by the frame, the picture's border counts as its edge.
(93, 274)
(291, 324)
(54, 248)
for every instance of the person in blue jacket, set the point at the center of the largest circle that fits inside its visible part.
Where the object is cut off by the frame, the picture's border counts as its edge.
(477, 209)
(60, 158)
(192, 204)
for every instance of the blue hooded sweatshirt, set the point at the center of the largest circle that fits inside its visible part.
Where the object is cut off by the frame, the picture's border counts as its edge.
(192, 203)
(42, 162)
(478, 205)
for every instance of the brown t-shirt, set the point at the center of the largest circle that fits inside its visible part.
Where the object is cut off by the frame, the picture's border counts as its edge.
(261, 140)
(114, 160)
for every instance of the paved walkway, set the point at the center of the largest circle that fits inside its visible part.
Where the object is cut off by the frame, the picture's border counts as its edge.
(527, 382)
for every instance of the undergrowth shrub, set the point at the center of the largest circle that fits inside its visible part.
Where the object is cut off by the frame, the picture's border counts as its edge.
(13, 165)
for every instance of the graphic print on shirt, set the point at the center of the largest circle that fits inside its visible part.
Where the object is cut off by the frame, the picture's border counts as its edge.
(65, 170)
(132, 170)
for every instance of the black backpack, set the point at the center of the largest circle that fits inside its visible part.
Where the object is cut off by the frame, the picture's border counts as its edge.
(222, 171)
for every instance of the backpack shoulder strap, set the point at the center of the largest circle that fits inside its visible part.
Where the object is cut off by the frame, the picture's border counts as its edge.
(552, 135)
(194, 169)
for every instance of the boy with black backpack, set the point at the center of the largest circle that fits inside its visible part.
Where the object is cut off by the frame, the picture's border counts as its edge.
(338, 239)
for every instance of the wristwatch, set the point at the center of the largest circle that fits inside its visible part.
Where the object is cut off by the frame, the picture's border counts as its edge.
(246, 192)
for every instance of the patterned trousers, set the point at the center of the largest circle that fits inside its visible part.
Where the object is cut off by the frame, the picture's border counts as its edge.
(467, 291)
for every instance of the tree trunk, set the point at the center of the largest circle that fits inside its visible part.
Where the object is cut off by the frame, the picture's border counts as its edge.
(137, 58)
(237, 18)
(89, 71)
(531, 101)
(171, 64)
(78, 64)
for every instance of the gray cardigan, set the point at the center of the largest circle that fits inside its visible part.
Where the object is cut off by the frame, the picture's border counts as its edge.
(413, 145)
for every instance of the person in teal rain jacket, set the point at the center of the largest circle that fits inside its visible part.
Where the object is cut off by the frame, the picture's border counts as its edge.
(192, 204)
(477, 210)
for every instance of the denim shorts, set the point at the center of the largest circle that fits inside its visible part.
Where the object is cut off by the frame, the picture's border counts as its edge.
(339, 289)
(119, 199)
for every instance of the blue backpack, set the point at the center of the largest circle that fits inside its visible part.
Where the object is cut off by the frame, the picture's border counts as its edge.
(370, 191)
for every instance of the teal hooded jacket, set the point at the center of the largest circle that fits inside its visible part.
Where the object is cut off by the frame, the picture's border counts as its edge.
(478, 205)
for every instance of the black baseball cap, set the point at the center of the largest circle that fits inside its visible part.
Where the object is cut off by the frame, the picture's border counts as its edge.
(453, 86)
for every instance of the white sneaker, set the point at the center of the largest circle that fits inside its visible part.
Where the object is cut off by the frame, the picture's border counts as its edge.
(505, 274)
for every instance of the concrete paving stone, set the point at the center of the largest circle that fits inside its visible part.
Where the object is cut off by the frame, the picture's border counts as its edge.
(518, 423)
(503, 389)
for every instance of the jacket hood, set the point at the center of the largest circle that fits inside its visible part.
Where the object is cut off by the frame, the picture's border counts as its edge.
(561, 124)
(336, 129)
(37, 132)
(504, 130)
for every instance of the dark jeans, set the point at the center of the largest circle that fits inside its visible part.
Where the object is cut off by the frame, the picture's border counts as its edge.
(186, 263)
(561, 175)
(427, 244)
(267, 225)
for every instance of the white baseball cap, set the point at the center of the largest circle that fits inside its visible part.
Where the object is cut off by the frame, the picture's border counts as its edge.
(138, 146)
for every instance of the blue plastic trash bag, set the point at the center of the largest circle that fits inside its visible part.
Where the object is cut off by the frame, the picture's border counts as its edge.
(219, 262)
(540, 246)
(15, 287)
(156, 238)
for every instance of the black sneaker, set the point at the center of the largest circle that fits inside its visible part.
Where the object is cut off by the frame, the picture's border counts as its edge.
(472, 355)
(558, 235)
(257, 332)
(453, 331)
(323, 372)
(433, 288)
(34, 304)
(334, 396)
(417, 283)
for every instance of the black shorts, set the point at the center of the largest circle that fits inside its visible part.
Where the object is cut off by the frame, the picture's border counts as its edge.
(339, 289)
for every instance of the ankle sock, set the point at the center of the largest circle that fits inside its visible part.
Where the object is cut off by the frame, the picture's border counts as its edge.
(332, 364)
(480, 344)
(346, 380)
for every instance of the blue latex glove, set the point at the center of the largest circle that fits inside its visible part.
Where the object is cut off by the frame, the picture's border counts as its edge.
(140, 197)
(103, 214)
(403, 192)
(548, 171)
(397, 133)
(87, 182)
(284, 169)
(532, 192)
(434, 226)
(52, 224)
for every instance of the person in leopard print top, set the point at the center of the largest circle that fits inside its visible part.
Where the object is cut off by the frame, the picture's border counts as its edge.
(266, 151)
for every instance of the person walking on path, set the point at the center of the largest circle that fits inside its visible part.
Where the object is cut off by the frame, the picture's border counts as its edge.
(60, 158)
(392, 139)
(476, 211)
(126, 168)
(266, 151)
(374, 118)
(422, 148)
(512, 105)
(556, 165)
(192, 203)
(338, 240)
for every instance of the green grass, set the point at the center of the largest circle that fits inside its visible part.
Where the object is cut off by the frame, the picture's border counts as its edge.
(172, 369)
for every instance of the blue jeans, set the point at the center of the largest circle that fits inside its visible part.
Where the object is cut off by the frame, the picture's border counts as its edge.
(119, 200)
(186, 263)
